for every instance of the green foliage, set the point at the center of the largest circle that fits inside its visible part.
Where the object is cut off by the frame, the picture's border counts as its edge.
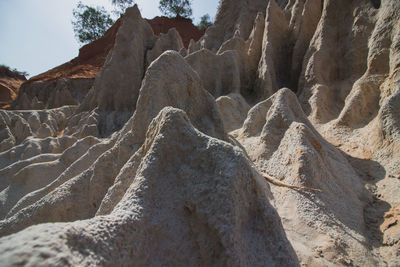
(177, 8)
(205, 22)
(9, 72)
(90, 23)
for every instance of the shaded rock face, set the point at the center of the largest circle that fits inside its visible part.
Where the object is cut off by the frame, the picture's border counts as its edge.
(233, 68)
(232, 16)
(273, 140)
(287, 35)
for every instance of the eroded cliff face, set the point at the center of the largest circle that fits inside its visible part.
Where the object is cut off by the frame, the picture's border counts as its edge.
(273, 140)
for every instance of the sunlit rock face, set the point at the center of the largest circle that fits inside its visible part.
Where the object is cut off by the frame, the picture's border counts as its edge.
(273, 140)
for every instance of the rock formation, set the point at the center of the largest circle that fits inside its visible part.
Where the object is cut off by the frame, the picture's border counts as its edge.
(69, 83)
(273, 140)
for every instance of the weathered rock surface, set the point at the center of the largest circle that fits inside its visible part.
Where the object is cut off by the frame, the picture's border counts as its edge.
(18, 126)
(52, 94)
(233, 109)
(282, 142)
(246, 231)
(203, 158)
(94, 168)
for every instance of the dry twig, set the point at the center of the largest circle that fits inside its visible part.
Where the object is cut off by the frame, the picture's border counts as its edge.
(277, 182)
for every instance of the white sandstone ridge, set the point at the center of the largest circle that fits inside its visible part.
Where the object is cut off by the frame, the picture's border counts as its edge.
(202, 156)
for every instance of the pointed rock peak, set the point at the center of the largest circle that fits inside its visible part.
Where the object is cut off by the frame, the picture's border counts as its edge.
(288, 103)
(273, 7)
(133, 12)
(259, 18)
(258, 26)
(168, 118)
(283, 105)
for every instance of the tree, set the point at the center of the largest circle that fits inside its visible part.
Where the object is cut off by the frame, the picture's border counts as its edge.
(90, 23)
(121, 6)
(13, 73)
(205, 22)
(177, 8)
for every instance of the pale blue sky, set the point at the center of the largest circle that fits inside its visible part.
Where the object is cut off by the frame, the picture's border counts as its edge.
(36, 35)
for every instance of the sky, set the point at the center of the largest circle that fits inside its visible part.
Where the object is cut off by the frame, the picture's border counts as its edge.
(37, 35)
